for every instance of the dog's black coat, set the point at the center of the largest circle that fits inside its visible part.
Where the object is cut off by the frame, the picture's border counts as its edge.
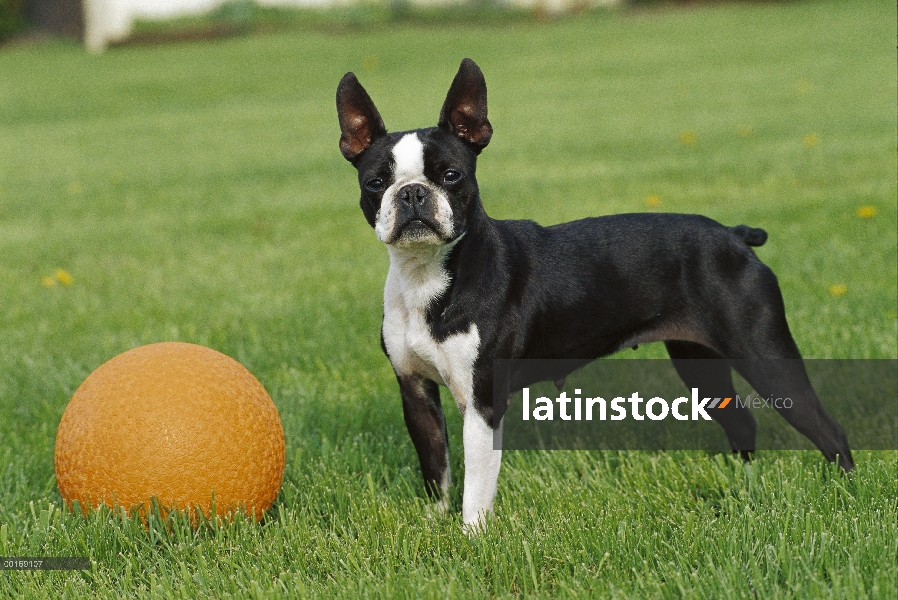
(584, 289)
(589, 288)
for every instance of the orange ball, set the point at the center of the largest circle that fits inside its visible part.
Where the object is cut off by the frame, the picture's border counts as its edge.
(178, 422)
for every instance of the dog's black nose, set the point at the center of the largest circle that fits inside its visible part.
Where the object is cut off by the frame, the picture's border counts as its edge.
(413, 194)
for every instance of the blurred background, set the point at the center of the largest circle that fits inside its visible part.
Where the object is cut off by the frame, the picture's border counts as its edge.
(102, 22)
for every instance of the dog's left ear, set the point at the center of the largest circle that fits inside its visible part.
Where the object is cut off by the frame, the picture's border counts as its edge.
(464, 111)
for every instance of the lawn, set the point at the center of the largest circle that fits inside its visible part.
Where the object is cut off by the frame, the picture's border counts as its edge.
(196, 192)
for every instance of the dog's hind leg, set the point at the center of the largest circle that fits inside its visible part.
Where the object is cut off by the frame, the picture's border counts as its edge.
(787, 378)
(700, 367)
(760, 347)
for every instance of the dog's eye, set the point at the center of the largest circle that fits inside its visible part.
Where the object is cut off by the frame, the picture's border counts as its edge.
(375, 185)
(452, 176)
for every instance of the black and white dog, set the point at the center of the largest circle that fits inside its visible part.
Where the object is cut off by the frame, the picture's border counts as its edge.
(464, 289)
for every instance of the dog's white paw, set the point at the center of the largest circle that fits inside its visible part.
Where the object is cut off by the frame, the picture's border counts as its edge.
(475, 525)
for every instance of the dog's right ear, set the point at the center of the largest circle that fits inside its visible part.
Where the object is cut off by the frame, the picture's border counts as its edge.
(360, 123)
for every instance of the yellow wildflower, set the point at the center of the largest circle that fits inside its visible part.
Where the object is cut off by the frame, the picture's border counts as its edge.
(866, 212)
(688, 137)
(63, 277)
(838, 289)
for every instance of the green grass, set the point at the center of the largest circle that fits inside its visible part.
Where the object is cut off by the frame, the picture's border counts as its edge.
(195, 192)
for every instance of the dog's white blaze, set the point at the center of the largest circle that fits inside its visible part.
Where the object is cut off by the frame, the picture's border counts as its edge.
(482, 465)
(408, 158)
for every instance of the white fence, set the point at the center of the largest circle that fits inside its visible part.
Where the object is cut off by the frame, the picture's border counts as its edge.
(108, 21)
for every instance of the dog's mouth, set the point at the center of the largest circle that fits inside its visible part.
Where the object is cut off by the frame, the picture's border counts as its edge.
(417, 225)
(416, 231)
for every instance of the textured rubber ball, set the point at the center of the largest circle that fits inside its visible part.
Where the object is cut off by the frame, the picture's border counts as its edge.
(178, 422)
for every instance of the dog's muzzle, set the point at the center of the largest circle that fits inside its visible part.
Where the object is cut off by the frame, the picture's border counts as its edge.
(416, 213)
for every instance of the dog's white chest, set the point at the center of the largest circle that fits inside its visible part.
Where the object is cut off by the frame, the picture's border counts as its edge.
(416, 278)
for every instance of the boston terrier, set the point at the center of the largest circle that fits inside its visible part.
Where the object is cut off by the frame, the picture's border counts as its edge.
(464, 289)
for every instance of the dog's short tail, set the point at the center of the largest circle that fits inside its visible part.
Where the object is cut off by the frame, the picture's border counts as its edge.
(753, 236)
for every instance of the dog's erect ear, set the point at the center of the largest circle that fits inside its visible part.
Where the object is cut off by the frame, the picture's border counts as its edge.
(360, 123)
(464, 112)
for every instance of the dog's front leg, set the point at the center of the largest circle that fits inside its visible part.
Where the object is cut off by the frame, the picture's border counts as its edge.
(427, 427)
(482, 464)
